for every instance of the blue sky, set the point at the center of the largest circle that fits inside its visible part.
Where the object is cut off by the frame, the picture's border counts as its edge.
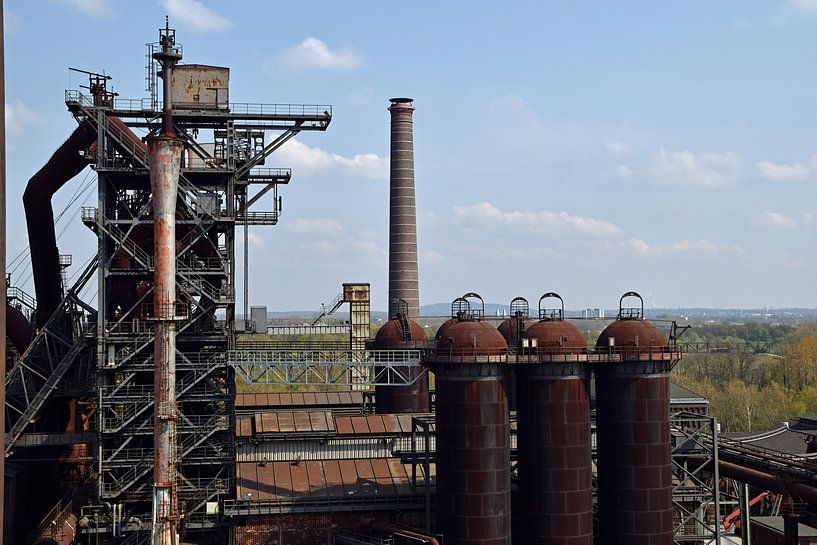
(587, 148)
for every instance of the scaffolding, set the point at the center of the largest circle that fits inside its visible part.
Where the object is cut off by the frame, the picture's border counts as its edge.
(220, 186)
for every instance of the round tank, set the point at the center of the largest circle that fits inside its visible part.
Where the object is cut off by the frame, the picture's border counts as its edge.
(444, 327)
(473, 436)
(632, 338)
(553, 434)
(402, 399)
(557, 337)
(507, 329)
(633, 436)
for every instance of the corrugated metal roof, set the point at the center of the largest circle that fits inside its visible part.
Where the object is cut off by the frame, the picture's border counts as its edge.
(298, 399)
(283, 481)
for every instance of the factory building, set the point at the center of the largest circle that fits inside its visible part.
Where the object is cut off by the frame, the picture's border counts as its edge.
(528, 435)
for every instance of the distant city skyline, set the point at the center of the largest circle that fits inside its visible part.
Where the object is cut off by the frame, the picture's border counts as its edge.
(665, 148)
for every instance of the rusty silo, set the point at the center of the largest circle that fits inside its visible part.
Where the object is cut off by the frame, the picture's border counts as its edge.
(553, 416)
(473, 431)
(403, 277)
(632, 422)
(401, 333)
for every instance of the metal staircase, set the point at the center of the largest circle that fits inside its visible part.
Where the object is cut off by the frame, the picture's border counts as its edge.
(328, 310)
(144, 464)
(29, 384)
(30, 413)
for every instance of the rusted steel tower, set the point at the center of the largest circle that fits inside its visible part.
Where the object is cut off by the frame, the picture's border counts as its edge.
(403, 278)
(401, 333)
(553, 416)
(633, 437)
(473, 431)
(165, 152)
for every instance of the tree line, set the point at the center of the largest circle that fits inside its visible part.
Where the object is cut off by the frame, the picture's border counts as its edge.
(751, 392)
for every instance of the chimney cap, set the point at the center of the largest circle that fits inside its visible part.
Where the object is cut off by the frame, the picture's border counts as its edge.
(401, 100)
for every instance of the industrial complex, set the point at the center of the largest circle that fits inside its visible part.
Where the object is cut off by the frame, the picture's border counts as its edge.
(143, 406)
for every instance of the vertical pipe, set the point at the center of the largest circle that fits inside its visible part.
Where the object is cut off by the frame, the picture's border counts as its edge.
(165, 161)
(165, 164)
(403, 277)
(791, 530)
(716, 479)
(2, 266)
(745, 515)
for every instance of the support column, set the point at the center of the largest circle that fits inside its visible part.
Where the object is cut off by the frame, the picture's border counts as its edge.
(745, 515)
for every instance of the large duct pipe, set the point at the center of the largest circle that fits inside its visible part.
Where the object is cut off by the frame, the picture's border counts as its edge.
(768, 481)
(165, 162)
(403, 278)
(63, 165)
(165, 165)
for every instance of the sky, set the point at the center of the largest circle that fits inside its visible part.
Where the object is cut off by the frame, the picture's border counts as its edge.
(587, 148)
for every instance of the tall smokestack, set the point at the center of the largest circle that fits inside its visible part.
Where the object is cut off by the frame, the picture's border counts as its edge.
(403, 278)
(165, 162)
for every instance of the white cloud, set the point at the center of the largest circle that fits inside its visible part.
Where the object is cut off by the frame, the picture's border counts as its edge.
(701, 247)
(432, 257)
(320, 226)
(324, 248)
(298, 155)
(625, 173)
(796, 172)
(367, 247)
(805, 6)
(618, 148)
(195, 15)
(96, 8)
(774, 219)
(314, 54)
(19, 116)
(807, 218)
(486, 214)
(685, 168)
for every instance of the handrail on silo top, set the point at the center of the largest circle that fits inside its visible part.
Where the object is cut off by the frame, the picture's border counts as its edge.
(552, 314)
(520, 307)
(630, 313)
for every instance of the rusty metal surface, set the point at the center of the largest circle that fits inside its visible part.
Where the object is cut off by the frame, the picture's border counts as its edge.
(631, 337)
(18, 330)
(165, 162)
(557, 337)
(555, 481)
(200, 87)
(285, 481)
(473, 453)
(441, 331)
(633, 445)
(508, 329)
(468, 338)
(403, 276)
(402, 399)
